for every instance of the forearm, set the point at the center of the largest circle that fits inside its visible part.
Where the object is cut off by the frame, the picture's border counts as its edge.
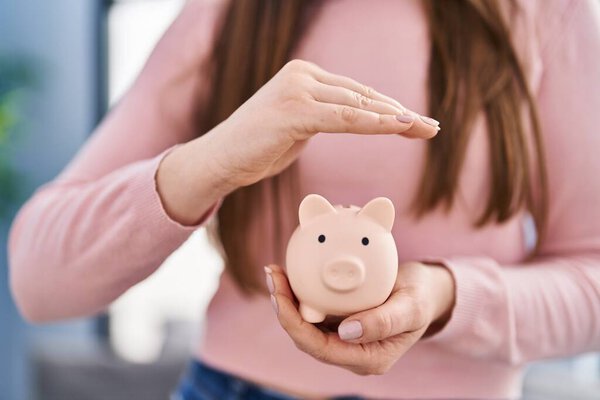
(101, 226)
(520, 313)
(191, 179)
(75, 247)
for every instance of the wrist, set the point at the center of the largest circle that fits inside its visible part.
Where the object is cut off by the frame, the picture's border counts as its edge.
(187, 184)
(443, 293)
(208, 156)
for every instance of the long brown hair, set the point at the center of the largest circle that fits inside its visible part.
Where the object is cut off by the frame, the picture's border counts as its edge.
(473, 68)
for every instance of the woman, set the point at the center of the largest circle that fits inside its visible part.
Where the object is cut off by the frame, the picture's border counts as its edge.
(476, 298)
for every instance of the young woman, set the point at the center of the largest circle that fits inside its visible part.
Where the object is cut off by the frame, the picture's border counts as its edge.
(221, 123)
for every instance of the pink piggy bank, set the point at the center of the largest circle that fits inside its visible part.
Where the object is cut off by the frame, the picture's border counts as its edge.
(342, 260)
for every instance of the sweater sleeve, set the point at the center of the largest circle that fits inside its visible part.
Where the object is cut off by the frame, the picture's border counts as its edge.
(548, 307)
(100, 227)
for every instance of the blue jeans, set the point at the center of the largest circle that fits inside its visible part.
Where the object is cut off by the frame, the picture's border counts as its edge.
(201, 382)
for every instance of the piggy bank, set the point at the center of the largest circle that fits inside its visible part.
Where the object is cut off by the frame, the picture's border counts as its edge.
(341, 260)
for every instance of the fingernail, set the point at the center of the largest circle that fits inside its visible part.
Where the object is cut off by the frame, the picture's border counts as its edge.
(429, 121)
(274, 304)
(405, 118)
(269, 278)
(350, 330)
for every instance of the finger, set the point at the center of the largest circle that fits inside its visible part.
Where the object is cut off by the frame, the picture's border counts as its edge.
(349, 83)
(423, 128)
(330, 323)
(340, 95)
(399, 314)
(326, 347)
(334, 118)
(279, 282)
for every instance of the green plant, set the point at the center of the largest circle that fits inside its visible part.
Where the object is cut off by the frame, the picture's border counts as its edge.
(15, 77)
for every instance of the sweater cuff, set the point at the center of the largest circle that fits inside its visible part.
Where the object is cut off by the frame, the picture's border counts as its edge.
(474, 285)
(146, 197)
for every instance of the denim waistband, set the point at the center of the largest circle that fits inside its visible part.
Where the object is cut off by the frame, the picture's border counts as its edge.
(202, 382)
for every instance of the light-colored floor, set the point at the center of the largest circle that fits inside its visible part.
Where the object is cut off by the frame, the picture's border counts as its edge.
(85, 370)
(577, 378)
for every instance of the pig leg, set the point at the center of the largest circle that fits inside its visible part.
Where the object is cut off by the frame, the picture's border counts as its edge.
(310, 314)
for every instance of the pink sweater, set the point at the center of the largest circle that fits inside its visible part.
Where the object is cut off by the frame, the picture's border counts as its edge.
(99, 228)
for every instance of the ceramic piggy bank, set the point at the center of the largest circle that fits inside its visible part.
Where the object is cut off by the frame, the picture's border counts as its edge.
(341, 260)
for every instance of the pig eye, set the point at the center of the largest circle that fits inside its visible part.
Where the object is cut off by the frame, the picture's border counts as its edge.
(365, 241)
(321, 238)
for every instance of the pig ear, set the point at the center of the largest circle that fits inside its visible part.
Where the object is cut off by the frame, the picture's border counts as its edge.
(313, 205)
(381, 210)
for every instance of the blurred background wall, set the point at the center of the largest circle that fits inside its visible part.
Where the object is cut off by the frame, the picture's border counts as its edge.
(57, 40)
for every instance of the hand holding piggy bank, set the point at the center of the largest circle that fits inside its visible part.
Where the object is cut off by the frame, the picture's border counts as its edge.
(341, 260)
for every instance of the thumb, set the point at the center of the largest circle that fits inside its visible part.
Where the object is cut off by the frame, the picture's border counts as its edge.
(399, 314)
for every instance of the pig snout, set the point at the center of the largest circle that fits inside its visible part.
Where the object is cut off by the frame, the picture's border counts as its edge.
(344, 274)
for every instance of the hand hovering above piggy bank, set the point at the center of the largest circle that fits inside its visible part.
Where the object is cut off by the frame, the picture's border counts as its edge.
(341, 260)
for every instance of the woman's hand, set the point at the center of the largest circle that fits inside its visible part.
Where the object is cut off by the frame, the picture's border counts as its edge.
(370, 342)
(299, 101)
(265, 135)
